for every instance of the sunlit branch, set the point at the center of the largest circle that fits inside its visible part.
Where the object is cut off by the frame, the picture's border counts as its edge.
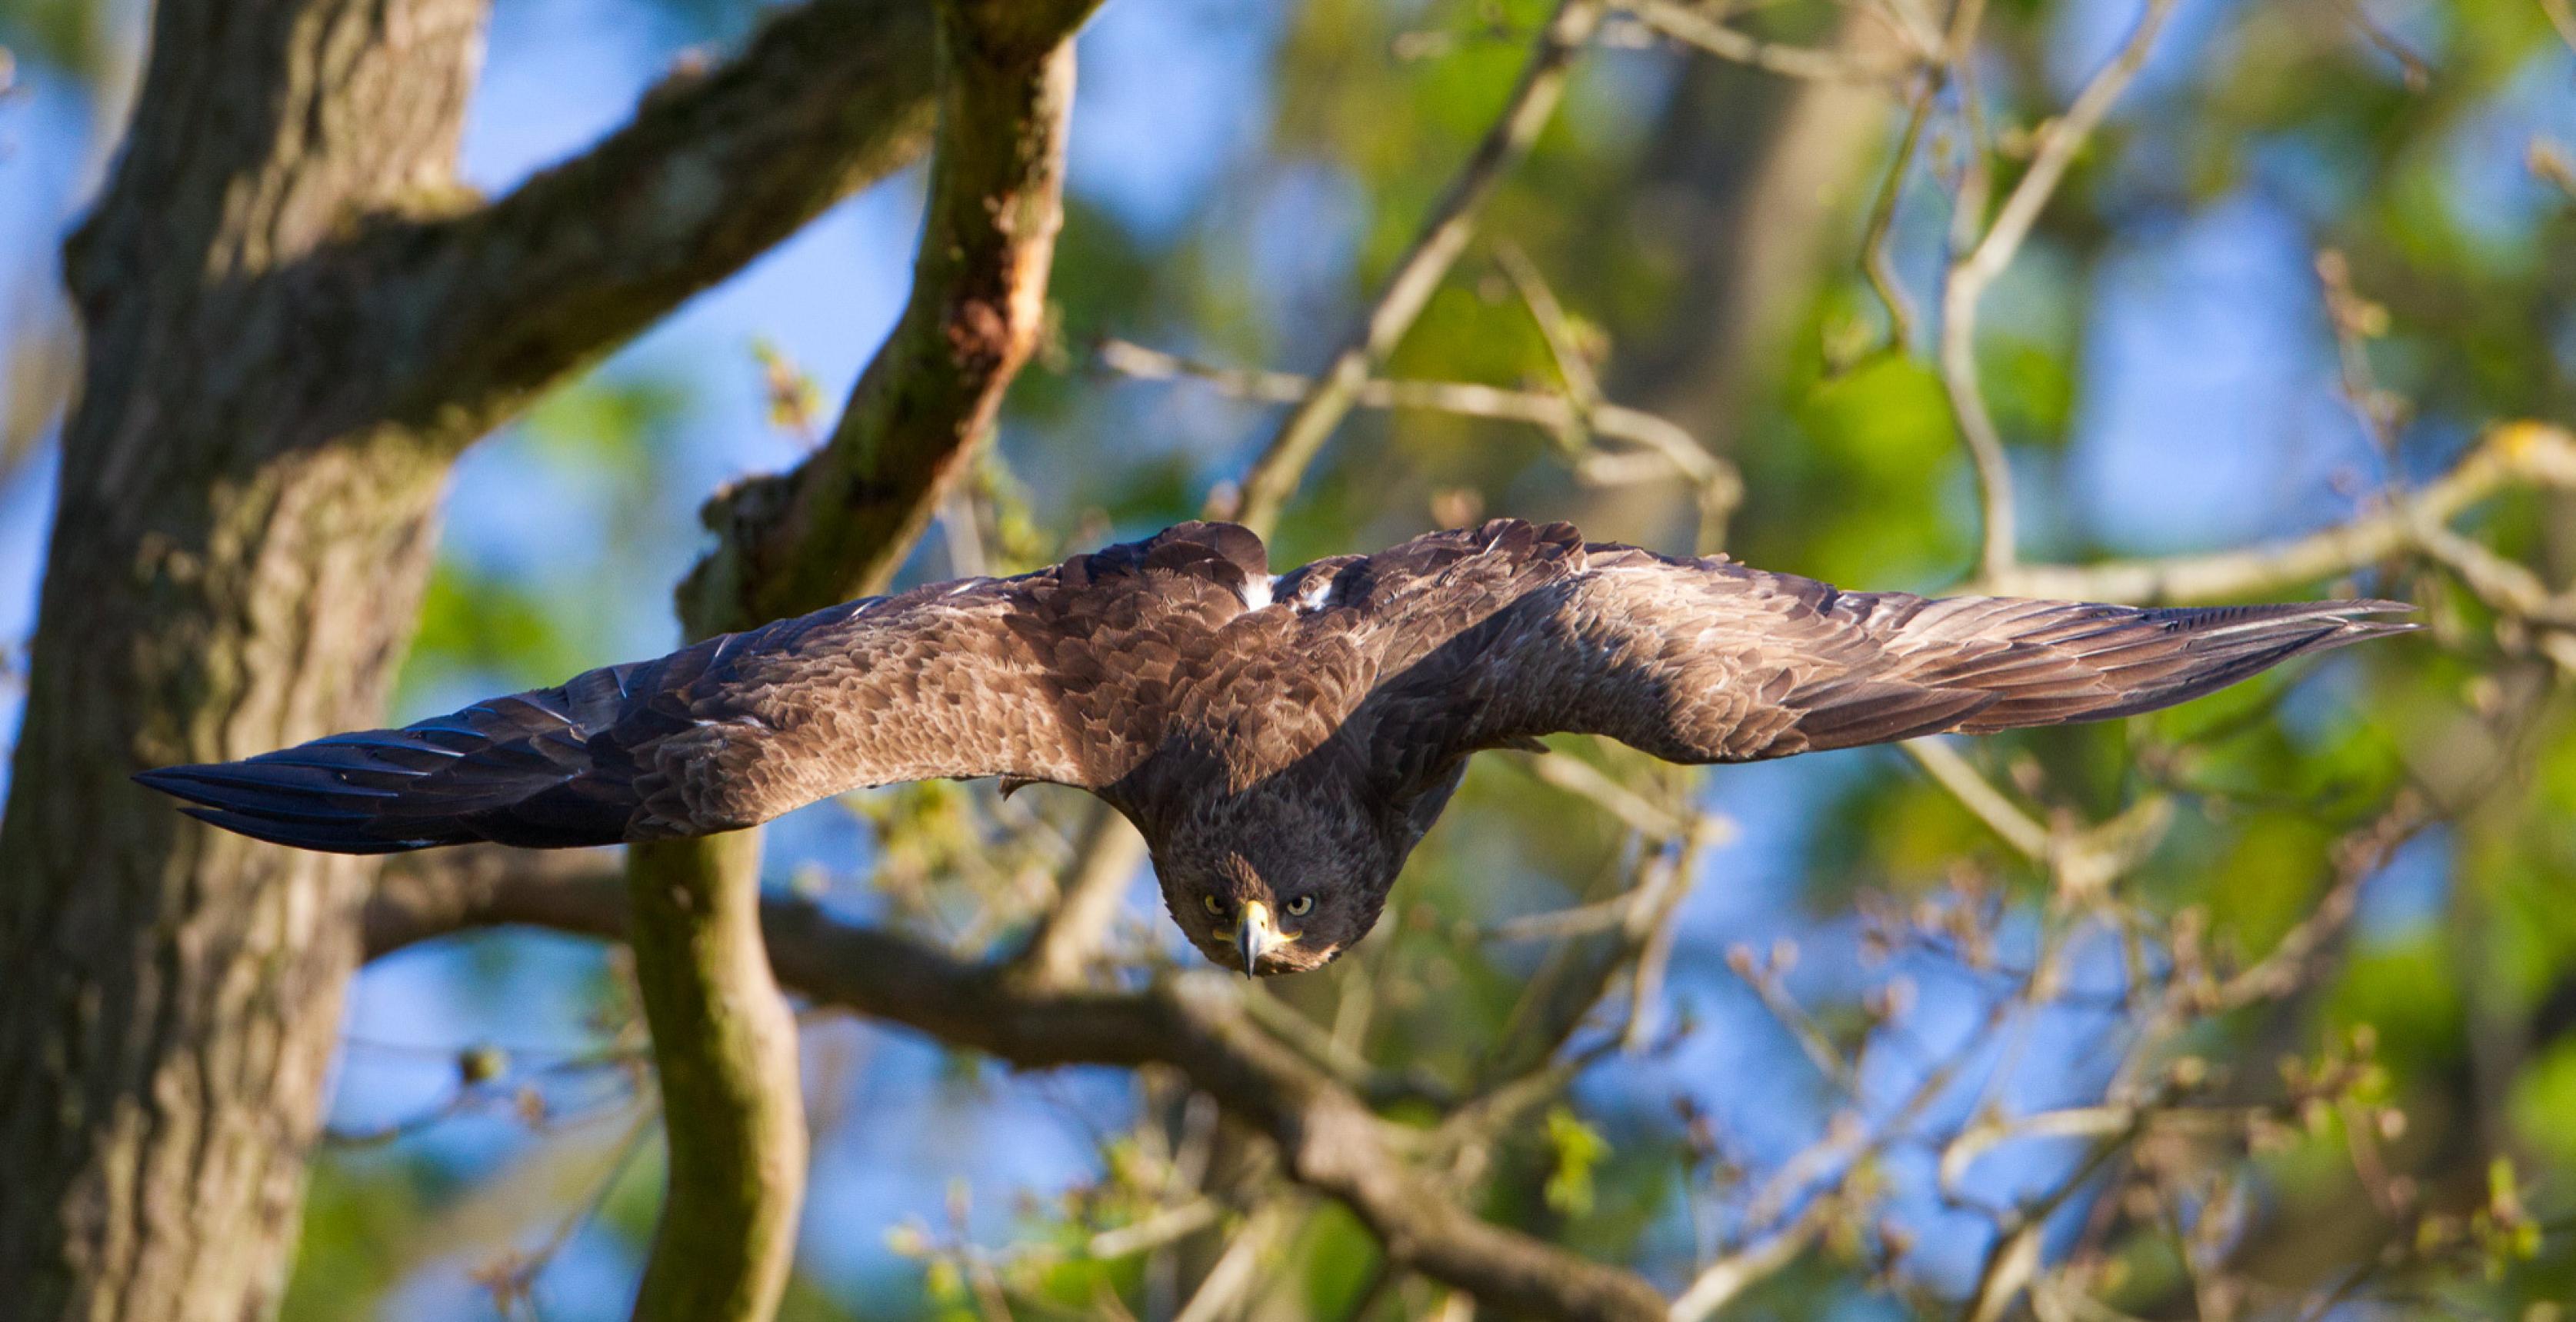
(2520, 453)
(1878, 264)
(1224, 1288)
(839, 524)
(1157, 1230)
(1979, 796)
(1718, 1283)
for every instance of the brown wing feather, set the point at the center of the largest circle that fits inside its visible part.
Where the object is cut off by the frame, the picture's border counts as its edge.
(1515, 631)
(1064, 675)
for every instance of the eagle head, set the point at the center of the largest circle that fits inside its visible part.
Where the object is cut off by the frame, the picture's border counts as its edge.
(1276, 887)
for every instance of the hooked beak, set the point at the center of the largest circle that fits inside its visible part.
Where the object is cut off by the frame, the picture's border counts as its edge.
(1256, 936)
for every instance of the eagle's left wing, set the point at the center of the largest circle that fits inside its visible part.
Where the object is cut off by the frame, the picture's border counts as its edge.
(1511, 632)
(1063, 675)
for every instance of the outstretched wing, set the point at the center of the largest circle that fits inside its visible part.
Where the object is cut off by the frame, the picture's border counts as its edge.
(1511, 632)
(1062, 675)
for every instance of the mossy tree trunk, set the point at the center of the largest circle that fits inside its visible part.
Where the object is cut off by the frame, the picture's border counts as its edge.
(236, 561)
(295, 318)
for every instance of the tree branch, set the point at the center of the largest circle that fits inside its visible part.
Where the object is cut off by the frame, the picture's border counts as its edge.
(714, 169)
(839, 524)
(724, 1049)
(1327, 1138)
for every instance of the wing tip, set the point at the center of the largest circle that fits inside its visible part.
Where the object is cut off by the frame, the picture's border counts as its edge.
(179, 782)
(2357, 619)
(301, 837)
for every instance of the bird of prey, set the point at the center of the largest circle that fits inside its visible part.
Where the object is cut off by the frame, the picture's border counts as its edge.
(1282, 742)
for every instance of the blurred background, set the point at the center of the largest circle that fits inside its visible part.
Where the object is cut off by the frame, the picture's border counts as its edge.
(2287, 189)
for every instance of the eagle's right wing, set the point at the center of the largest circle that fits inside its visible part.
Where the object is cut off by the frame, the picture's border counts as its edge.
(1063, 675)
(1512, 632)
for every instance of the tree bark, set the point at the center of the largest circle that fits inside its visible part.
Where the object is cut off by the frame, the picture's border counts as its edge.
(230, 570)
(294, 319)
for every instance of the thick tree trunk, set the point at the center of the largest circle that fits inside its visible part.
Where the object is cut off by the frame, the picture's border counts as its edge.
(294, 320)
(236, 559)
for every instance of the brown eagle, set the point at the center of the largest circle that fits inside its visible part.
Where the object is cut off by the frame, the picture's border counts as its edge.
(1281, 742)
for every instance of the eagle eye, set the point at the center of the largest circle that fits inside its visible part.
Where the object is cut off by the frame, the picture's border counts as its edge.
(1214, 905)
(1301, 906)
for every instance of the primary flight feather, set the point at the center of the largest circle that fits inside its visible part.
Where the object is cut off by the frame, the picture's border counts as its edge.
(1281, 742)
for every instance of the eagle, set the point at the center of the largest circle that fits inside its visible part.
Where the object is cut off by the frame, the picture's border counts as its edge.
(1282, 741)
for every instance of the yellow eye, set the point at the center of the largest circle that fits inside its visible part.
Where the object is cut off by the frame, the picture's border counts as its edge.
(1301, 906)
(1214, 905)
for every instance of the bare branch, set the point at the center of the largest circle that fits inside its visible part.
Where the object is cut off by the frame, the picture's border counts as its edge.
(1877, 263)
(1979, 796)
(1283, 462)
(2562, 19)
(1231, 1279)
(1154, 1231)
(2292, 960)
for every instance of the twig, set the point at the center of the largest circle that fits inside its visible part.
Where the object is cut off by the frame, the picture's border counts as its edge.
(1979, 796)
(1584, 780)
(2418, 74)
(2057, 142)
(1876, 264)
(2561, 18)
(1687, 25)
(1674, 449)
(1327, 1052)
(1161, 1228)
(1283, 462)
(1582, 386)
(1718, 1283)
(2293, 958)
(1230, 1280)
